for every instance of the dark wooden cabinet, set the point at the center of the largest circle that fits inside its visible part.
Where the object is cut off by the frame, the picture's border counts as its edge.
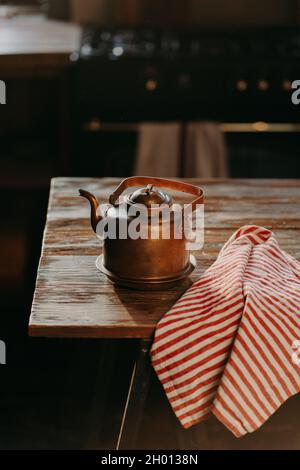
(35, 128)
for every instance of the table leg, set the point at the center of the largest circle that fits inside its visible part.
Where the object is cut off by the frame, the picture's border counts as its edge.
(136, 398)
(97, 417)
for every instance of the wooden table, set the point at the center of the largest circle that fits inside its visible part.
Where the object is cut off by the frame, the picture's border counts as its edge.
(72, 299)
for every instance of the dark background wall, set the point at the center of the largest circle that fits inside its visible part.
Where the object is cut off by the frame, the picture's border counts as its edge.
(181, 12)
(194, 12)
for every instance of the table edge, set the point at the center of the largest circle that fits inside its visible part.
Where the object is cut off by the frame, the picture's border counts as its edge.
(92, 332)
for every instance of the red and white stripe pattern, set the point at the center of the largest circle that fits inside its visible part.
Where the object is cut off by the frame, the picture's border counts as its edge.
(226, 346)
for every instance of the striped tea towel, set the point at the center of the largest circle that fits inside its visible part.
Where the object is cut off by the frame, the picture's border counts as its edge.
(227, 346)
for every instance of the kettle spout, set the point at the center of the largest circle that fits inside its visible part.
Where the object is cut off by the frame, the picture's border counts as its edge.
(95, 218)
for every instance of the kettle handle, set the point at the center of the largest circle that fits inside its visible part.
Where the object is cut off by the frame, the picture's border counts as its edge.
(159, 182)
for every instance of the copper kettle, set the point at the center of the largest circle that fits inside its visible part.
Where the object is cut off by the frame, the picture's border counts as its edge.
(151, 262)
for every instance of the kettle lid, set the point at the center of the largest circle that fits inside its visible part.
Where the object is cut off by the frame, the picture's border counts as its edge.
(150, 195)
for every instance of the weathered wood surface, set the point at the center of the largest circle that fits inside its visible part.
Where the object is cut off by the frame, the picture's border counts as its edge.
(73, 299)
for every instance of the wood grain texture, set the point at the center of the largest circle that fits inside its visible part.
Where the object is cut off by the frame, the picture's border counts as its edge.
(73, 299)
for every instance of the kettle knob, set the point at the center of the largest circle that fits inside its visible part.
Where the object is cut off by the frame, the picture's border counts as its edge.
(158, 182)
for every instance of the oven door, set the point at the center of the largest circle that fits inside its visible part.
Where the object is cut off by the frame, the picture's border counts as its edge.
(255, 150)
(263, 150)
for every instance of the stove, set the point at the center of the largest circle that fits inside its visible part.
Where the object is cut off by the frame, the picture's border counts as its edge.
(152, 74)
(149, 43)
(124, 76)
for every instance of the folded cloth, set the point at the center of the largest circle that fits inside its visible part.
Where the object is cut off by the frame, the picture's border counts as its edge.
(205, 151)
(158, 149)
(227, 346)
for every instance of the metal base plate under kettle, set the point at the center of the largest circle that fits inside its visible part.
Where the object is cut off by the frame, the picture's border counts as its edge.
(147, 284)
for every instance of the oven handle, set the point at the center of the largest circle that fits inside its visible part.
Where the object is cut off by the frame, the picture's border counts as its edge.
(261, 126)
(95, 125)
